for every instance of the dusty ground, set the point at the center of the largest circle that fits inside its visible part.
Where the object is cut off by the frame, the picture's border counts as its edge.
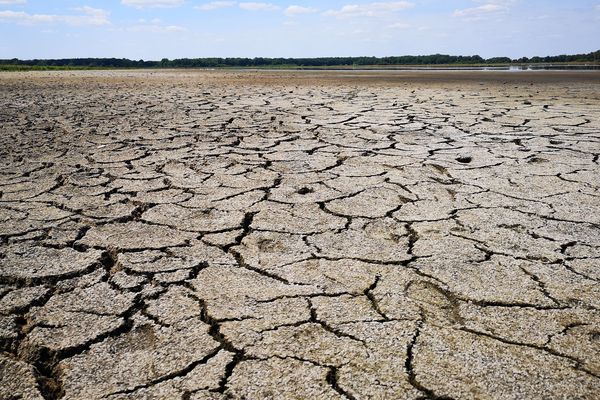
(208, 235)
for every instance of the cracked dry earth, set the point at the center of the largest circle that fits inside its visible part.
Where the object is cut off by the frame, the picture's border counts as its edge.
(211, 235)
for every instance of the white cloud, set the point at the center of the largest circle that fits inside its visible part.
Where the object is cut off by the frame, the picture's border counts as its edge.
(398, 25)
(156, 28)
(542, 17)
(89, 17)
(505, 3)
(258, 6)
(215, 5)
(369, 9)
(295, 10)
(152, 3)
(493, 7)
(6, 2)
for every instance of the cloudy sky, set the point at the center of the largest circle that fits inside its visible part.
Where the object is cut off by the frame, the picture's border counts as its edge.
(153, 29)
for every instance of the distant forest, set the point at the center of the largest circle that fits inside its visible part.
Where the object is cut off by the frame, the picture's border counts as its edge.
(260, 62)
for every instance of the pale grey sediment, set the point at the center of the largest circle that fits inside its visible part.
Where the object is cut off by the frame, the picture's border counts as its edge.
(212, 235)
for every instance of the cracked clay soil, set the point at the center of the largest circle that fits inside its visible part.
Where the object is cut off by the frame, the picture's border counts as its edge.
(299, 235)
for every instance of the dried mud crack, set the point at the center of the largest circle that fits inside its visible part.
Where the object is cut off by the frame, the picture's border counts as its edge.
(248, 235)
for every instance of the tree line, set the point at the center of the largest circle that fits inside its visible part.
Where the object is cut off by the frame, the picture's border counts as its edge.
(261, 62)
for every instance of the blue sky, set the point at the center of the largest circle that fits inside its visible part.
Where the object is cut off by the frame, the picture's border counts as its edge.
(153, 29)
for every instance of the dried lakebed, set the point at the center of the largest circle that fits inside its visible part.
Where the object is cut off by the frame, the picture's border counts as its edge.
(211, 235)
